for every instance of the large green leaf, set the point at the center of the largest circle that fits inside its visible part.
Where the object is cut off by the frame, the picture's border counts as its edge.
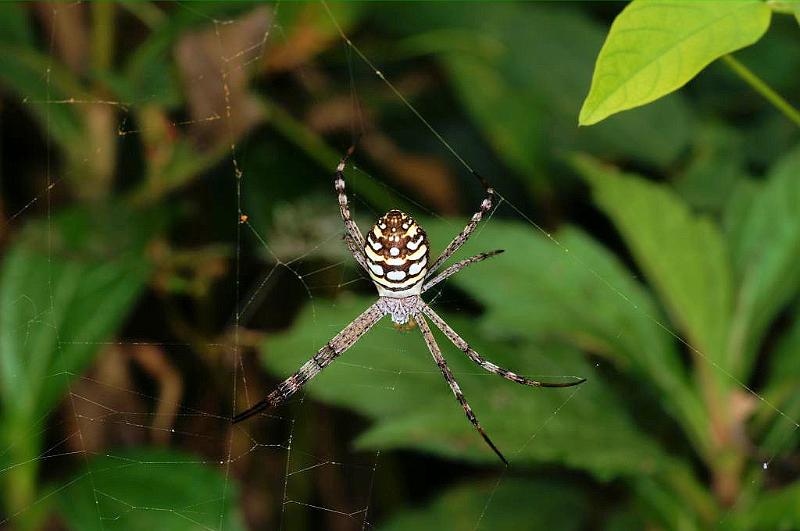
(513, 504)
(65, 287)
(577, 291)
(683, 255)
(392, 379)
(764, 250)
(16, 25)
(655, 47)
(140, 490)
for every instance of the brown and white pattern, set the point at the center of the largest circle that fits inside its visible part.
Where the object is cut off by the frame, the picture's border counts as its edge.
(396, 256)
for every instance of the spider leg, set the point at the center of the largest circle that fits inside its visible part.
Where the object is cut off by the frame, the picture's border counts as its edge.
(357, 253)
(458, 266)
(440, 361)
(459, 240)
(324, 356)
(488, 365)
(338, 183)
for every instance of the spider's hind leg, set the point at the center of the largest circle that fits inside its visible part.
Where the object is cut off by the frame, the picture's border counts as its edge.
(451, 381)
(463, 236)
(463, 346)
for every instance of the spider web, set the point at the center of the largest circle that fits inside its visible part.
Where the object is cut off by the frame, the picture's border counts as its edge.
(292, 468)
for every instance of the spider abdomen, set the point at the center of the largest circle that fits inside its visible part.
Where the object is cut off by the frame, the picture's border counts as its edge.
(397, 255)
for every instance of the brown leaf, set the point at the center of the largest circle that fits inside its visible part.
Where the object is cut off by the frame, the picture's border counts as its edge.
(309, 35)
(214, 66)
(101, 410)
(154, 361)
(427, 176)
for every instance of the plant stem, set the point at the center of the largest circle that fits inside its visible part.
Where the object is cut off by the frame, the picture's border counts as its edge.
(102, 35)
(762, 88)
(784, 8)
(19, 486)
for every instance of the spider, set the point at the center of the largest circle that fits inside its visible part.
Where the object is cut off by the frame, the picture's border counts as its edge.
(395, 255)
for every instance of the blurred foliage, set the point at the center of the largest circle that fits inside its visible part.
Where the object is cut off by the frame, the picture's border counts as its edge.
(149, 489)
(167, 227)
(557, 506)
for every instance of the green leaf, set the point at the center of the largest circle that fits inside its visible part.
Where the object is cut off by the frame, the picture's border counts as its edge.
(775, 511)
(81, 263)
(499, 108)
(149, 489)
(662, 505)
(392, 379)
(736, 212)
(683, 256)
(779, 427)
(35, 79)
(512, 504)
(579, 292)
(764, 253)
(16, 25)
(66, 284)
(716, 168)
(655, 47)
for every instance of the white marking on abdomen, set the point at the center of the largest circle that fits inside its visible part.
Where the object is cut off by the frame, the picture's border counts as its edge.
(378, 270)
(417, 267)
(394, 251)
(413, 245)
(396, 275)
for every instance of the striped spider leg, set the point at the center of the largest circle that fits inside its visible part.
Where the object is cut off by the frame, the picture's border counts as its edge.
(395, 254)
(464, 235)
(464, 347)
(433, 347)
(324, 356)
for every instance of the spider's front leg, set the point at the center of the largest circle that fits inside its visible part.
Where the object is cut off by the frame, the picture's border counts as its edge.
(458, 266)
(464, 235)
(332, 350)
(338, 183)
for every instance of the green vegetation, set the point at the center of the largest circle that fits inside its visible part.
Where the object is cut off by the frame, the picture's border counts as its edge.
(170, 249)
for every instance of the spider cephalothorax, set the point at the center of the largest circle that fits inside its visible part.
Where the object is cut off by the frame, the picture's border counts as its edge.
(397, 255)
